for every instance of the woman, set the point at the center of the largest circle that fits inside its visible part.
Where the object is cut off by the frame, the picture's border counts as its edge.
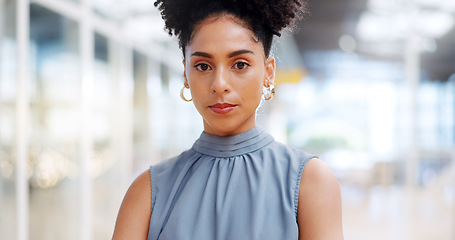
(236, 182)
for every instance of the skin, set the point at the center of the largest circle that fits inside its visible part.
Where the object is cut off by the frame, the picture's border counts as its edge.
(224, 63)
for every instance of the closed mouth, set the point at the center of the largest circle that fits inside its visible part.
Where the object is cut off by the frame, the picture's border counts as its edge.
(222, 108)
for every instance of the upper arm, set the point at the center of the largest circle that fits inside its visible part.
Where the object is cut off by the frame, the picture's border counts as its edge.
(319, 209)
(134, 215)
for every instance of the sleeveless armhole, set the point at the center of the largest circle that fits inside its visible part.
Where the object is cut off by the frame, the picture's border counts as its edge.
(299, 177)
(153, 186)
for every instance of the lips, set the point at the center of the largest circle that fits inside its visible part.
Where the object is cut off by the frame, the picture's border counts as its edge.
(222, 108)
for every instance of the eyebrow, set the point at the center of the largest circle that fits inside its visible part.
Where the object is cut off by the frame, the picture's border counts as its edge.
(231, 55)
(202, 54)
(240, 52)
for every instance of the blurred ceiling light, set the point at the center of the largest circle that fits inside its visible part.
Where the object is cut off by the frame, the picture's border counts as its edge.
(380, 27)
(146, 28)
(404, 5)
(347, 43)
(140, 19)
(435, 23)
(444, 5)
(394, 21)
(384, 5)
(122, 9)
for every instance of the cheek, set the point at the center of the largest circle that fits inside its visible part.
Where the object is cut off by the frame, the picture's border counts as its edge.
(254, 84)
(252, 91)
(199, 93)
(197, 102)
(195, 92)
(193, 82)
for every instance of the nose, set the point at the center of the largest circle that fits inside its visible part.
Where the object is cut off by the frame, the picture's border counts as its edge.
(220, 83)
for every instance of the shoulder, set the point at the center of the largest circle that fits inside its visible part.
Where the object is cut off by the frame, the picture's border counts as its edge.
(319, 204)
(318, 172)
(317, 181)
(290, 152)
(140, 189)
(290, 159)
(134, 214)
(141, 186)
(173, 163)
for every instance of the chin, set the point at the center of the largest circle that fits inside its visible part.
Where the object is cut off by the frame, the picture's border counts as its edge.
(226, 128)
(224, 131)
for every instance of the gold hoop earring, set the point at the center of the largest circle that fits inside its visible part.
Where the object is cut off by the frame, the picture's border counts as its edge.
(269, 92)
(183, 95)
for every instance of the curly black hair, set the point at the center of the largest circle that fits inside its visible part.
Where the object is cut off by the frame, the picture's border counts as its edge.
(264, 17)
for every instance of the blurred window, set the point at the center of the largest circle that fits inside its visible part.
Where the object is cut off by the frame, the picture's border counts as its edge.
(55, 125)
(8, 88)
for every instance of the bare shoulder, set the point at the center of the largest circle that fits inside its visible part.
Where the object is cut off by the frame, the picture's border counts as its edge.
(141, 186)
(318, 172)
(134, 215)
(319, 210)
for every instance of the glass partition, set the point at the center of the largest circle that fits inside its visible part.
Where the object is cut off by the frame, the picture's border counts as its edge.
(106, 164)
(55, 123)
(8, 88)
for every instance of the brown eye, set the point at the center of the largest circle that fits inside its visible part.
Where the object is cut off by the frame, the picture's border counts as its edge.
(241, 65)
(202, 67)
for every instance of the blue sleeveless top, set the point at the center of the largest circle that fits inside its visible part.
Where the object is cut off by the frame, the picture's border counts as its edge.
(223, 188)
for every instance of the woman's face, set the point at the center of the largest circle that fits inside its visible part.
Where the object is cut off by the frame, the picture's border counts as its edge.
(226, 68)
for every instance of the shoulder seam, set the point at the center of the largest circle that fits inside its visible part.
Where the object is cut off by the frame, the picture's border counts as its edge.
(153, 188)
(297, 185)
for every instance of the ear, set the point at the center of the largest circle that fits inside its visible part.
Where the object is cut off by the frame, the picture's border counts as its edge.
(185, 83)
(269, 72)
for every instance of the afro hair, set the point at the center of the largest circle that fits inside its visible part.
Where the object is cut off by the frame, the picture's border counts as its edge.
(264, 17)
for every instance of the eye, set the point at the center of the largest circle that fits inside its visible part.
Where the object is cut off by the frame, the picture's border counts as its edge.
(202, 67)
(241, 65)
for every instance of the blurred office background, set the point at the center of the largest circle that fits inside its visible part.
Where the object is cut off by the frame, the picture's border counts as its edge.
(89, 98)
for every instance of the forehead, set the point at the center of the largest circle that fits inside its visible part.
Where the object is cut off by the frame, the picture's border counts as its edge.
(223, 32)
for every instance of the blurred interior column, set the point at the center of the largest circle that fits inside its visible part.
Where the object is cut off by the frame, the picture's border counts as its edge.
(2, 21)
(86, 140)
(22, 113)
(122, 60)
(412, 68)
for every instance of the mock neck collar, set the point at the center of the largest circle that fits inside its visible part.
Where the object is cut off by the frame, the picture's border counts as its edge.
(231, 146)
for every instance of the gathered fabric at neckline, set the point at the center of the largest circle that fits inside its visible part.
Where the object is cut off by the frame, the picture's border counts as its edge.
(231, 146)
